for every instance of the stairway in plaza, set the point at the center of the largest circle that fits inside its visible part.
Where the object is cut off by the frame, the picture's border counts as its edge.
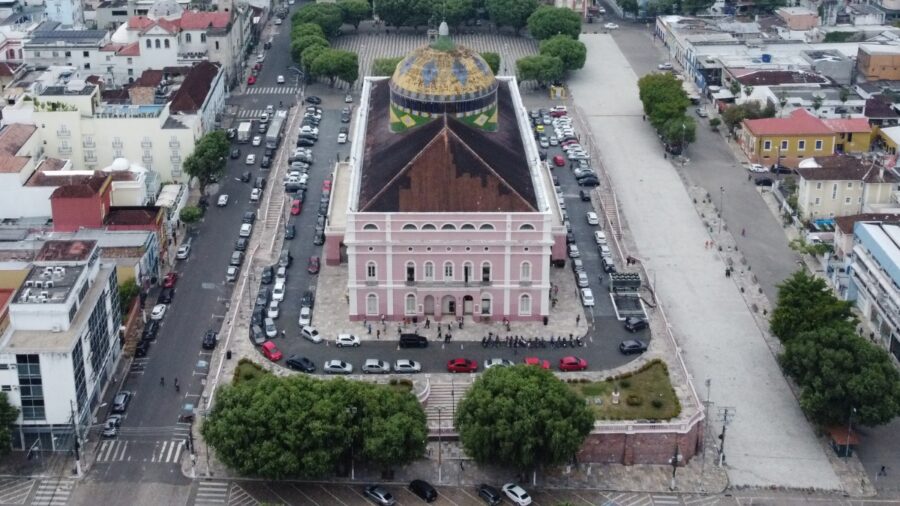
(440, 407)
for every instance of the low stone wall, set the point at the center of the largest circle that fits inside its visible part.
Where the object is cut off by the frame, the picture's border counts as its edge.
(628, 447)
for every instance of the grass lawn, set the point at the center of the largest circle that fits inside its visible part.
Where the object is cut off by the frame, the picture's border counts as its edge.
(247, 370)
(645, 395)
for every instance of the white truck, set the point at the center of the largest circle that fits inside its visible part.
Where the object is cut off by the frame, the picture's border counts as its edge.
(276, 127)
(243, 131)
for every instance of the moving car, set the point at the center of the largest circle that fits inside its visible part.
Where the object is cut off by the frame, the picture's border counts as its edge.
(543, 364)
(497, 362)
(378, 494)
(406, 366)
(235, 153)
(271, 351)
(632, 346)
(111, 425)
(280, 78)
(636, 324)
(337, 367)
(664, 66)
(251, 159)
(755, 167)
(342, 138)
(587, 297)
(558, 160)
(701, 112)
(311, 334)
(347, 340)
(251, 80)
(257, 140)
(462, 365)
(611, 26)
(592, 218)
(183, 251)
(572, 364)
(312, 99)
(375, 366)
(299, 363)
(158, 312)
(516, 494)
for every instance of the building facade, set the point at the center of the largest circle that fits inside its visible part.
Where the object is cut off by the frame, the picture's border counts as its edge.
(836, 186)
(874, 278)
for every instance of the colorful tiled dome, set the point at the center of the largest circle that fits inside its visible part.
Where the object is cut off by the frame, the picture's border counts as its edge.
(443, 78)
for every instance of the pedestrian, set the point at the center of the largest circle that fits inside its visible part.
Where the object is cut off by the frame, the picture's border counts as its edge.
(882, 471)
(369, 329)
(439, 332)
(743, 232)
(283, 335)
(162, 381)
(377, 334)
(427, 323)
(365, 322)
(577, 319)
(749, 177)
(399, 330)
(382, 319)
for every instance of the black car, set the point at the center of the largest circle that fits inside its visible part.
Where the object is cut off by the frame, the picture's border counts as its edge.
(585, 195)
(292, 188)
(230, 133)
(632, 346)
(308, 299)
(570, 238)
(304, 142)
(241, 244)
(763, 181)
(268, 275)
(269, 152)
(423, 489)
(490, 494)
(312, 99)
(249, 217)
(263, 298)
(607, 265)
(210, 340)
(260, 183)
(165, 296)
(589, 181)
(235, 153)
(142, 349)
(345, 118)
(150, 330)
(289, 231)
(303, 364)
(265, 163)
(634, 324)
(780, 169)
(323, 209)
(245, 176)
(258, 316)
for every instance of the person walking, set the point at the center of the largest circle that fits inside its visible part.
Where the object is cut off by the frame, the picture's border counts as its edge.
(577, 319)
(162, 381)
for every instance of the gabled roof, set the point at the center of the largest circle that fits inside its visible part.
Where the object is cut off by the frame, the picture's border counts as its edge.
(847, 168)
(196, 20)
(12, 138)
(841, 125)
(143, 24)
(799, 122)
(196, 85)
(149, 78)
(8, 69)
(88, 187)
(845, 223)
(444, 165)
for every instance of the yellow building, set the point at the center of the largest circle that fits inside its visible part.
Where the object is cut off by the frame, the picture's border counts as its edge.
(833, 186)
(801, 135)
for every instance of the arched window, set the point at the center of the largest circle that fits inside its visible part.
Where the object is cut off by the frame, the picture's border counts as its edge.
(467, 226)
(410, 304)
(187, 38)
(202, 37)
(485, 272)
(526, 226)
(428, 226)
(525, 304)
(371, 271)
(370, 226)
(448, 271)
(166, 43)
(525, 271)
(486, 226)
(429, 271)
(410, 272)
(467, 271)
(149, 44)
(448, 226)
(410, 226)
(371, 304)
(157, 44)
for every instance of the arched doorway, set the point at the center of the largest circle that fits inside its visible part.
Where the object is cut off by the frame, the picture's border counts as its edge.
(448, 305)
(468, 301)
(429, 305)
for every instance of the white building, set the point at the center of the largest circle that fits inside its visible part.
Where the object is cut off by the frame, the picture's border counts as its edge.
(62, 344)
(15, 29)
(50, 45)
(67, 12)
(874, 278)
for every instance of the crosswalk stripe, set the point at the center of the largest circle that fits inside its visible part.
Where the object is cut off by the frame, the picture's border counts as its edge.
(211, 492)
(272, 90)
(666, 499)
(53, 492)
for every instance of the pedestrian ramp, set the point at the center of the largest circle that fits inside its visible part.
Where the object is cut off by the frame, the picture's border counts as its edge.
(53, 492)
(209, 493)
(154, 452)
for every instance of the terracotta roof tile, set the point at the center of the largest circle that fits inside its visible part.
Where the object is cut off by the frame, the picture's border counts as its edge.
(195, 20)
(799, 122)
(847, 168)
(149, 78)
(196, 85)
(8, 69)
(132, 215)
(12, 138)
(845, 223)
(840, 125)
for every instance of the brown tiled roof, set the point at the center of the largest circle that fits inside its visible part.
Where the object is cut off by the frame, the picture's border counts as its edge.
(74, 250)
(9, 69)
(880, 108)
(444, 165)
(132, 215)
(39, 178)
(88, 187)
(192, 93)
(845, 223)
(12, 138)
(149, 78)
(197, 20)
(847, 168)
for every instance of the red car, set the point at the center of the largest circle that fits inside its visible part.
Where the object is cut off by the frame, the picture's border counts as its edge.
(271, 351)
(170, 279)
(462, 365)
(572, 364)
(296, 205)
(544, 364)
(559, 161)
(326, 185)
(312, 266)
(258, 66)
(251, 80)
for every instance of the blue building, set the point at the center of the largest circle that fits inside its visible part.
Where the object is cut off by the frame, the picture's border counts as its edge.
(875, 280)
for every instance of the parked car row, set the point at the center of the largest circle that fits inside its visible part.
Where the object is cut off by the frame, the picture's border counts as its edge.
(422, 489)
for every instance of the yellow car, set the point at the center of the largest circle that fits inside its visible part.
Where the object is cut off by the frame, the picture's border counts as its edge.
(539, 128)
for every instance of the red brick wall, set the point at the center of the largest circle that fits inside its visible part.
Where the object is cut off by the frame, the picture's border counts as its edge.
(641, 448)
(70, 214)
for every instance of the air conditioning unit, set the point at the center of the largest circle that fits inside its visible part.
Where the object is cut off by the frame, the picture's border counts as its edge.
(45, 294)
(29, 283)
(32, 298)
(48, 284)
(38, 284)
(42, 299)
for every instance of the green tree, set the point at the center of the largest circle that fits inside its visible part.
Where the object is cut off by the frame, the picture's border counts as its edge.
(392, 429)
(385, 66)
(207, 162)
(522, 417)
(663, 98)
(326, 15)
(190, 214)
(299, 45)
(336, 64)
(572, 52)
(493, 61)
(512, 13)
(714, 123)
(735, 114)
(679, 131)
(307, 30)
(839, 372)
(817, 102)
(395, 12)
(541, 68)
(127, 292)
(8, 416)
(804, 304)
(549, 21)
(629, 6)
(816, 249)
(457, 12)
(308, 57)
(355, 11)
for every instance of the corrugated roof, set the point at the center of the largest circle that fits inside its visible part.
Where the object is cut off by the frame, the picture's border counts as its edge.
(799, 122)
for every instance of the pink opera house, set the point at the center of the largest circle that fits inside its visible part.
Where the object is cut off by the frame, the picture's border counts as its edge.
(444, 208)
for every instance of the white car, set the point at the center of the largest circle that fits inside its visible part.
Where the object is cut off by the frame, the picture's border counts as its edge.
(257, 140)
(273, 310)
(278, 292)
(758, 168)
(573, 251)
(305, 316)
(261, 57)
(497, 362)
(158, 312)
(582, 278)
(605, 251)
(231, 274)
(255, 195)
(517, 494)
(611, 26)
(664, 66)
(342, 138)
(271, 330)
(599, 237)
(281, 273)
(375, 366)
(587, 297)
(346, 340)
(311, 334)
(251, 159)
(592, 218)
(280, 78)
(183, 251)
(406, 366)
(277, 21)
(337, 367)
(223, 201)
(246, 230)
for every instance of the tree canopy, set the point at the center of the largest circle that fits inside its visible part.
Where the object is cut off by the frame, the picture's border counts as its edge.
(355, 11)
(207, 162)
(336, 64)
(541, 68)
(572, 52)
(521, 417)
(512, 13)
(665, 103)
(457, 12)
(8, 416)
(328, 16)
(299, 44)
(805, 303)
(299, 427)
(190, 214)
(307, 30)
(385, 66)
(629, 6)
(735, 114)
(549, 21)
(493, 61)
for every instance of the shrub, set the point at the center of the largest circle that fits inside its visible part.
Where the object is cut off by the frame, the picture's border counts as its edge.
(657, 403)
(634, 400)
(625, 384)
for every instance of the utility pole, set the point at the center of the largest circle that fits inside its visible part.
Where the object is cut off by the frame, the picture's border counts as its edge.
(727, 416)
(77, 445)
(440, 410)
(676, 458)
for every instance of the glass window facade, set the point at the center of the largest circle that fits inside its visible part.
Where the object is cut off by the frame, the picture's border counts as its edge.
(78, 369)
(31, 387)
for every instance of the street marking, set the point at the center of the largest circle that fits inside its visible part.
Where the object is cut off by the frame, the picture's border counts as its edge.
(240, 497)
(336, 497)
(304, 494)
(211, 492)
(665, 499)
(15, 490)
(53, 492)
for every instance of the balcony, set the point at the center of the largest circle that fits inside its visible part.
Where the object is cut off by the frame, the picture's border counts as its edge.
(193, 55)
(147, 158)
(146, 144)
(174, 144)
(89, 144)
(64, 133)
(118, 145)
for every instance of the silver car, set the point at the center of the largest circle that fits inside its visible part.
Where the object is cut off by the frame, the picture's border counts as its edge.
(497, 362)
(375, 366)
(406, 366)
(337, 367)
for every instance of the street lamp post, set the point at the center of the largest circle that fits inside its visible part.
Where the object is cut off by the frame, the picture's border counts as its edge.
(849, 430)
(721, 207)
